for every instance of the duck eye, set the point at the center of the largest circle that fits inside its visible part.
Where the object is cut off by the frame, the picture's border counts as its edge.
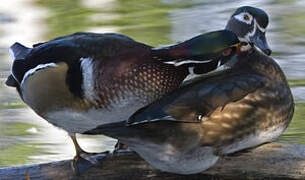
(246, 17)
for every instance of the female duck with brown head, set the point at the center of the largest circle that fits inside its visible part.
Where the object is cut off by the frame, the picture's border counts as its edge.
(243, 106)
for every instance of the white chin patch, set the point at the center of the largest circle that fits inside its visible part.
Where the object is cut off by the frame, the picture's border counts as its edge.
(38, 67)
(245, 48)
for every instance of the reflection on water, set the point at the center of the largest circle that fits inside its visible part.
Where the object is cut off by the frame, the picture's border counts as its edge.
(26, 138)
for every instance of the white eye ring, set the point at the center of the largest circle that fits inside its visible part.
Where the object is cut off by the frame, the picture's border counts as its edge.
(244, 17)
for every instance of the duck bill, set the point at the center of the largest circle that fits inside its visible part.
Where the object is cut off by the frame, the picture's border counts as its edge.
(11, 82)
(259, 40)
(19, 67)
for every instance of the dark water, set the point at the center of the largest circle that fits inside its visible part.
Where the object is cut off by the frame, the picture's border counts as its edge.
(26, 138)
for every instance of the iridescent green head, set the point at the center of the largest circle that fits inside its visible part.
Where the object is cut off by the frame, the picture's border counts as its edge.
(210, 44)
(200, 54)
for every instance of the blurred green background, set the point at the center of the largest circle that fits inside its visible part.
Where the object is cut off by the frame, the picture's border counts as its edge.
(26, 138)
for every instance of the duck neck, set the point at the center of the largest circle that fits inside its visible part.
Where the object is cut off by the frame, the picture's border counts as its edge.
(260, 63)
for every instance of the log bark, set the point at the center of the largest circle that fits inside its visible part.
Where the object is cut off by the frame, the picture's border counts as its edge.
(269, 161)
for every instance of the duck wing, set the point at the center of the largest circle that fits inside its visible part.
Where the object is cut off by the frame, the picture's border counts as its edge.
(192, 102)
(72, 49)
(83, 45)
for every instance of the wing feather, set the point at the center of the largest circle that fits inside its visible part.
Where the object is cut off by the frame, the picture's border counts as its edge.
(195, 100)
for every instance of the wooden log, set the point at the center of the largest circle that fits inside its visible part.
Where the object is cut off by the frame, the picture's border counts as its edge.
(269, 161)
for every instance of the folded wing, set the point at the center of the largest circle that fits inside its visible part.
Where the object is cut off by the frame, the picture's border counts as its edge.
(192, 102)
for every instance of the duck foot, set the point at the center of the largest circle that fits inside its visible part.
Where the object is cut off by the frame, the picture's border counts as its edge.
(84, 161)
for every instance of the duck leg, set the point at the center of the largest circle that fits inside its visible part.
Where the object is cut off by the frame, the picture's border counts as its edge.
(83, 160)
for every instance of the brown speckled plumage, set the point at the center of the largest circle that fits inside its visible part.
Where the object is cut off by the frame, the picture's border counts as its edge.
(146, 81)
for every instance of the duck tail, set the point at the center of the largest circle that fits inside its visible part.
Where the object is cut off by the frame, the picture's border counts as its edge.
(114, 130)
(19, 51)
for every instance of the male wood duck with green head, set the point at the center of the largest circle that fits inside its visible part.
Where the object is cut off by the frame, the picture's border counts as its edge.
(247, 104)
(83, 80)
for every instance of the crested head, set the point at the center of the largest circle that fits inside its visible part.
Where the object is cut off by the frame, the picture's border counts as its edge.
(249, 24)
(199, 54)
(211, 43)
(28, 61)
(246, 20)
(250, 13)
(23, 65)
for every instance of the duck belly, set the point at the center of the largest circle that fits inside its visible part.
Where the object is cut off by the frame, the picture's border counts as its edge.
(166, 158)
(76, 121)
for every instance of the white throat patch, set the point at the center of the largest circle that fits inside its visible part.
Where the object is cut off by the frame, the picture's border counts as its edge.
(246, 47)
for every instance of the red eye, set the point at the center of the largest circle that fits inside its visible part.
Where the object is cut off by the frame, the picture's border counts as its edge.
(246, 17)
(227, 52)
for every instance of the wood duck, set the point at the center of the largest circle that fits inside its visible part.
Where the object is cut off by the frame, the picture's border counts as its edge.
(247, 104)
(83, 80)
(254, 22)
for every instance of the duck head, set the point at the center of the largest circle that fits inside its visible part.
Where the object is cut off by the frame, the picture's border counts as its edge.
(18, 78)
(200, 54)
(249, 24)
(32, 75)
